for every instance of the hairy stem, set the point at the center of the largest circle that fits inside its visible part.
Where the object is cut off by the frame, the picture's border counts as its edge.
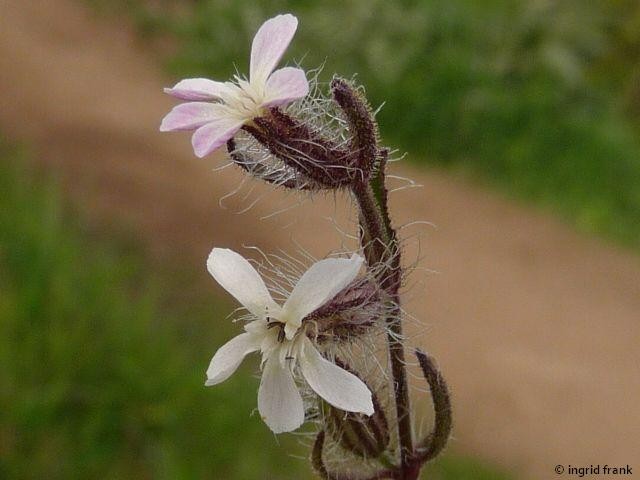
(381, 248)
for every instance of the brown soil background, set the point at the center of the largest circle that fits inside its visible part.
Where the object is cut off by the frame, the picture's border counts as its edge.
(535, 326)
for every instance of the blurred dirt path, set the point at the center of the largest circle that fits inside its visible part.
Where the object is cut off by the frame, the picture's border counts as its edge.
(536, 327)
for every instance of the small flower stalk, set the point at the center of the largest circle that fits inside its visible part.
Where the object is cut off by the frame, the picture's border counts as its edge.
(331, 339)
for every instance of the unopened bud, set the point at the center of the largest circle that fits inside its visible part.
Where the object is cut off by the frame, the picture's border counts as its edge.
(350, 314)
(296, 145)
(273, 174)
(362, 124)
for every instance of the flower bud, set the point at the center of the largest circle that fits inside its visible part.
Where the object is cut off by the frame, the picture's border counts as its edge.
(304, 151)
(350, 314)
(362, 125)
(296, 151)
(279, 175)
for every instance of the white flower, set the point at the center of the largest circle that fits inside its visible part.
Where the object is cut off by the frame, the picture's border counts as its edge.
(277, 334)
(217, 110)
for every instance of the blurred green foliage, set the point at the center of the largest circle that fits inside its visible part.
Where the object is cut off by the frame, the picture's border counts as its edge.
(459, 468)
(540, 97)
(102, 376)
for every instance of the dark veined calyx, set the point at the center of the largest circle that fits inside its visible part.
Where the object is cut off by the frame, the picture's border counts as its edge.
(362, 435)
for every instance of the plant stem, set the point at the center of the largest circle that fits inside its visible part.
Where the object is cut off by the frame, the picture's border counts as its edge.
(381, 248)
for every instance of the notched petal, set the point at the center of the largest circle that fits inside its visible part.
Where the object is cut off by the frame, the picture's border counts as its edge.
(340, 388)
(285, 86)
(214, 135)
(279, 401)
(197, 89)
(320, 284)
(229, 357)
(190, 116)
(269, 45)
(237, 276)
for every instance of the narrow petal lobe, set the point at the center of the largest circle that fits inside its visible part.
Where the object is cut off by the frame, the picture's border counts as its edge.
(189, 116)
(318, 285)
(238, 277)
(229, 357)
(197, 89)
(279, 401)
(284, 86)
(213, 135)
(340, 388)
(269, 44)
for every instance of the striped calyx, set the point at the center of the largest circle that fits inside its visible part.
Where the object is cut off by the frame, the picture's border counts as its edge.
(364, 436)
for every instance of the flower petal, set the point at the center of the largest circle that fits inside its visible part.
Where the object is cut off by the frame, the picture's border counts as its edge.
(238, 277)
(340, 388)
(191, 115)
(214, 134)
(318, 285)
(284, 86)
(269, 44)
(229, 357)
(279, 402)
(197, 89)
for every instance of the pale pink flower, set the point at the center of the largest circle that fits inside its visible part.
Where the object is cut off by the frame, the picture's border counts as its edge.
(217, 110)
(278, 333)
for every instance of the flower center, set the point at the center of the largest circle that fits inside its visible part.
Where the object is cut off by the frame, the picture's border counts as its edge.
(280, 326)
(245, 99)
